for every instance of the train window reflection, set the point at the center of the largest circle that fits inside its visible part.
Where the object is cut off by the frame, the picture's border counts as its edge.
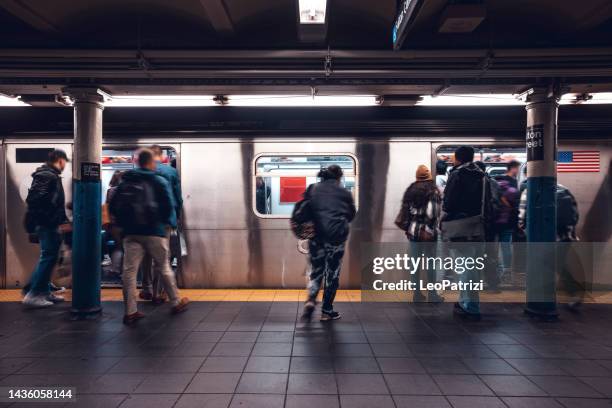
(494, 157)
(280, 180)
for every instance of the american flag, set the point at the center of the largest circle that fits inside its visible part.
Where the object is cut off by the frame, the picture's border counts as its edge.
(579, 161)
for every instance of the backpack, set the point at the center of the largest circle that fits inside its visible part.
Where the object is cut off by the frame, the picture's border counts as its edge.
(134, 205)
(302, 220)
(566, 211)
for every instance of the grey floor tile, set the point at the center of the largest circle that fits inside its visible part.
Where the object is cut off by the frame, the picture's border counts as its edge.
(536, 366)
(166, 383)
(489, 366)
(475, 402)
(602, 384)
(356, 365)
(115, 383)
(257, 401)
(400, 365)
(531, 402)
(461, 385)
(193, 349)
(411, 384)
(262, 383)
(13, 365)
(272, 349)
(204, 337)
(267, 364)
(179, 364)
(150, 401)
(275, 337)
(239, 337)
(213, 383)
(444, 366)
(308, 349)
(311, 365)
(224, 364)
(391, 350)
(512, 386)
(361, 384)
(585, 402)
(420, 401)
(97, 401)
(312, 401)
(557, 386)
(204, 401)
(366, 401)
(513, 351)
(352, 350)
(578, 368)
(312, 383)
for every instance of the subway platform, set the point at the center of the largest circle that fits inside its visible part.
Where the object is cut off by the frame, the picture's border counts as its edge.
(257, 353)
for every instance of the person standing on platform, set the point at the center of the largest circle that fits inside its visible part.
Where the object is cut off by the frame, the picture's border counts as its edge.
(46, 218)
(143, 207)
(332, 208)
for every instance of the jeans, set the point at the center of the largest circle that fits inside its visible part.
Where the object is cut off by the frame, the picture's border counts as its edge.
(427, 249)
(50, 241)
(326, 261)
(504, 237)
(469, 300)
(135, 247)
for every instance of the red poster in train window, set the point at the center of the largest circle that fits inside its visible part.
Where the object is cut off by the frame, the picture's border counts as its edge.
(291, 189)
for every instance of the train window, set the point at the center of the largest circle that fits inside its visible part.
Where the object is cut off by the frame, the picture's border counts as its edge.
(32, 155)
(280, 180)
(494, 157)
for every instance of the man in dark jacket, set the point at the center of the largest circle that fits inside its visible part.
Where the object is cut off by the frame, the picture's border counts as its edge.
(132, 207)
(46, 217)
(333, 208)
(151, 289)
(463, 198)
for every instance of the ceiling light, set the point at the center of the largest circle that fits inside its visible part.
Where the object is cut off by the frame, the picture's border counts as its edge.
(302, 100)
(470, 100)
(586, 98)
(312, 11)
(159, 100)
(12, 101)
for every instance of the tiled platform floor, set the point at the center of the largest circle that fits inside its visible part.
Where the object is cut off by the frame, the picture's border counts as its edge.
(256, 354)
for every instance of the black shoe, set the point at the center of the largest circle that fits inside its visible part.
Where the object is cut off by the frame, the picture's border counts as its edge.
(460, 311)
(327, 316)
(309, 307)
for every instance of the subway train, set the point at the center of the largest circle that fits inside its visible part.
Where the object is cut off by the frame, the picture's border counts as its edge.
(238, 195)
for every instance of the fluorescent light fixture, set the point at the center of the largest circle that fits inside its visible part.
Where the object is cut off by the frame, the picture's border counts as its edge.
(312, 11)
(12, 101)
(302, 100)
(470, 100)
(159, 100)
(595, 98)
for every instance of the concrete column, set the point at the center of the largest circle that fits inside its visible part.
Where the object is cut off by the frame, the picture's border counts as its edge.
(86, 192)
(541, 139)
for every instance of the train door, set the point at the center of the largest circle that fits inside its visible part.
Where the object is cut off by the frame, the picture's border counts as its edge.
(117, 159)
(21, 161)
(2, 216)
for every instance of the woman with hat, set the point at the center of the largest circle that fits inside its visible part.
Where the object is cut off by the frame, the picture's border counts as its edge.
(419, 217)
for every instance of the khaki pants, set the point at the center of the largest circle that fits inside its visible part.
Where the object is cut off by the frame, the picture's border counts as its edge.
(135, 247)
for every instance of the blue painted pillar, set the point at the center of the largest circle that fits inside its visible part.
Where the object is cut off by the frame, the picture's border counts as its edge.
(86, 192)
(541, 140)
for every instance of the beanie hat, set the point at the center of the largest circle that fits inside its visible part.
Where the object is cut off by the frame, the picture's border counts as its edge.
(423, 173)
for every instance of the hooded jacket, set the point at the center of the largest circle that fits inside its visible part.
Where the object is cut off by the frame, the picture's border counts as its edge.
(46, 200)
(463, 193)
(171, 176)
(332, 209)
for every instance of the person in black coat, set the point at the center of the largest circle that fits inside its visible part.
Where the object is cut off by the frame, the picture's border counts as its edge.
(333, 208)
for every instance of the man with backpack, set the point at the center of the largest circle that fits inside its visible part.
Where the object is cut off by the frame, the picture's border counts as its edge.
(151, 289)
(331, 208)
(46, 218)
(569, 268)
(467, 208)
(143, 206)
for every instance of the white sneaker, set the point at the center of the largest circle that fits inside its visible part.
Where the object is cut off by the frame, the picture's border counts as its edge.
(52, 297)
(36, 301)
(107, 260)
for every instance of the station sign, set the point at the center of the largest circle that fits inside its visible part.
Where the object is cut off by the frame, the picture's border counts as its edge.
(90, 171)
(405, 15)
(535, 142)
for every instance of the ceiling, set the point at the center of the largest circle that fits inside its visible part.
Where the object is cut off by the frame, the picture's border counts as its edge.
(188, 46)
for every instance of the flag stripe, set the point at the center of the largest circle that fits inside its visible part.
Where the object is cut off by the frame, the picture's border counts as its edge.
(585, 161)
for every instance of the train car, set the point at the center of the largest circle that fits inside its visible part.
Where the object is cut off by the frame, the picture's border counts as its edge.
(238, 195)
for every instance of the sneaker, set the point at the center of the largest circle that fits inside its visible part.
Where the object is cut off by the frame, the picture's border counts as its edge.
(181, 306)
(309, 307)
(132, 318)
(174, 263)
(36, 301)
(107, 260)
(145, 295)
(327, 316)
(460, 311)
(56, 289)
(52, 297)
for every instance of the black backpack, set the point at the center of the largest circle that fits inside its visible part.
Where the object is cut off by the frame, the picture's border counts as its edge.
(134, 205)
(566, 211)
